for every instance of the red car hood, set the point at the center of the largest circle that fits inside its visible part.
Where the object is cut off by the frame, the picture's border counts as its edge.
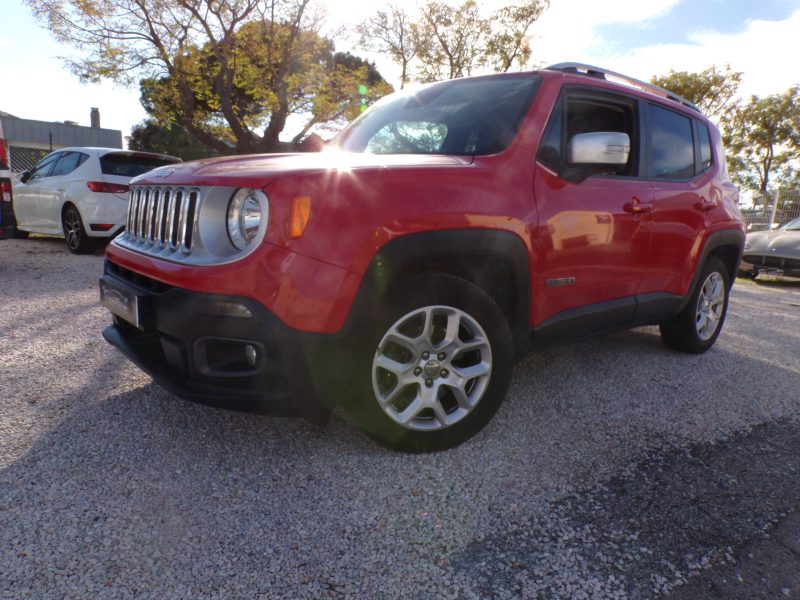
(256, 170)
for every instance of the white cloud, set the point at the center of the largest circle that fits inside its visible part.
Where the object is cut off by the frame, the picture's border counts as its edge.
(764, 51)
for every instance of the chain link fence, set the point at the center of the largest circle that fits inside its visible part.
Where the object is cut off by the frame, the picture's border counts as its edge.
(771, 210)
(21, 158)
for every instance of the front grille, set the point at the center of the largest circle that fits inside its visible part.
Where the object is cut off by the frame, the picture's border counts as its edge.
(772, 261)
(163, 217)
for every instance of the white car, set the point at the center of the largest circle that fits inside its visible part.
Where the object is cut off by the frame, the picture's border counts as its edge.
(80, 193)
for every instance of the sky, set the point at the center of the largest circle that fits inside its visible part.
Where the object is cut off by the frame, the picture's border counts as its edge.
(640, 38)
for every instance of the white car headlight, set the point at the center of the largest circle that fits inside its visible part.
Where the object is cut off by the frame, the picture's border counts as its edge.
(248, 214)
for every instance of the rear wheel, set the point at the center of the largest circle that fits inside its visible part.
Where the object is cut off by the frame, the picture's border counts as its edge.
(74, 233)
(435, 366)
(697, 326)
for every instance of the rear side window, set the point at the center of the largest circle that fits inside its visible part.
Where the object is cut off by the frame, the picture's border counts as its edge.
(705, 146)
(130, 165)
(671, 144)
(68, 162)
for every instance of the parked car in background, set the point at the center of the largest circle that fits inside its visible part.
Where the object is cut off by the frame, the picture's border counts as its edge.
(81, 193)
(6, 209)
(773, 252)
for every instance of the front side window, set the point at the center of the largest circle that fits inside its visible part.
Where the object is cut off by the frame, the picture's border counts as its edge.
(582, 111)
(44, 168)
(460, 117)
(672, 145)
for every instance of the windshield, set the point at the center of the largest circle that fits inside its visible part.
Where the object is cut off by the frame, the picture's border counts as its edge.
(458, 117)
(792, 225)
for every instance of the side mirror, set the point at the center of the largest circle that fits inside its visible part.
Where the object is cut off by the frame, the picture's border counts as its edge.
(25, 176)
(599, 148)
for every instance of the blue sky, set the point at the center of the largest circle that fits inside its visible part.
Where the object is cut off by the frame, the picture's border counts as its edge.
(676, 26)
(638, 37)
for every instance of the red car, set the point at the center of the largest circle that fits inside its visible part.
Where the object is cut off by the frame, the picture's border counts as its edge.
(445, 233)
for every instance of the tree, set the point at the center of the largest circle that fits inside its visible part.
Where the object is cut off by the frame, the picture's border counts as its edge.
(392, 32)
(445, 41)
(450, 40)
(764, 139)
(150, 136)
(712, 90)
(230, 72)
(508, 44)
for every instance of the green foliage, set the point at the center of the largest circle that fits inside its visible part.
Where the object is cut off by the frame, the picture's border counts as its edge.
(445, 41)
(149, 136)
(230, 72)
(764, 140)
(712, 90)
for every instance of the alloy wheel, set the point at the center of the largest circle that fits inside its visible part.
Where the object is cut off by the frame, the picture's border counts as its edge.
(432, 368)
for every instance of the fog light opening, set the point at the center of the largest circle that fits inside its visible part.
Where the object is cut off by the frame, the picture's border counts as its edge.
(251, 354)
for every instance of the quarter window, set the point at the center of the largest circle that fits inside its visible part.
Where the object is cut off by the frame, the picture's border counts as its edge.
(705, 146)
(672, 145)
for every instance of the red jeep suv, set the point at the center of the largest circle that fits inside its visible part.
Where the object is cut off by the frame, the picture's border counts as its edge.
(446, 231)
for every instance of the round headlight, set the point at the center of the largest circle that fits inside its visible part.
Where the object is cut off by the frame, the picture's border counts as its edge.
(247, 213)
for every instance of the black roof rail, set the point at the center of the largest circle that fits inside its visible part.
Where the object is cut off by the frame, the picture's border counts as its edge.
(600, 73)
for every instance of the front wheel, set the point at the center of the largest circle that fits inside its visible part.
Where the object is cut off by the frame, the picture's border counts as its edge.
(74, 233)
(435, 367)
(697, 326)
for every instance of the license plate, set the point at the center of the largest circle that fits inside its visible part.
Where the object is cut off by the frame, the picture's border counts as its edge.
(120, 301)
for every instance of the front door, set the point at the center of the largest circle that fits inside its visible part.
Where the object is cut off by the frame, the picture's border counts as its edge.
(593, 237)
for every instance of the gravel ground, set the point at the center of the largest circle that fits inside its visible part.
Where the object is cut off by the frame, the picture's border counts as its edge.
(615, 468)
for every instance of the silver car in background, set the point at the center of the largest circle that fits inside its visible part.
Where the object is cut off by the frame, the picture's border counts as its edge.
(773, 252)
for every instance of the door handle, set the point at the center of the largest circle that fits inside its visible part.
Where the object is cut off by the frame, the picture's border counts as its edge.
(704, 204)
(636, 208)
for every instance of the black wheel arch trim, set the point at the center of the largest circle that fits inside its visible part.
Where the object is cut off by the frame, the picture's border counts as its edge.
(732, 238)
(477, 255)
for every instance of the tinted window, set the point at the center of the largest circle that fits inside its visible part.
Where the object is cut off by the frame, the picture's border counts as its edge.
(672, 146)
(705, 145)
(131, 165)
(44, 167)
(459, 117)
(68, 162)
(590, 112)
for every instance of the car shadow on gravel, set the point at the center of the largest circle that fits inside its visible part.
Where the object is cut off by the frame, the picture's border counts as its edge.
(614, 465)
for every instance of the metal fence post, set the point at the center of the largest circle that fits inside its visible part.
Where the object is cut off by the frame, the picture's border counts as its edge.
(774, 209)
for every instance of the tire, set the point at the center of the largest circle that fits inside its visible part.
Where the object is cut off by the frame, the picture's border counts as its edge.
(697, 326)
(433, 367)
(74, 232)
(20, 235)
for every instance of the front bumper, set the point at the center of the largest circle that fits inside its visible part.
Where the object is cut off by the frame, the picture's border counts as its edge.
(188, 347)
(768, 264)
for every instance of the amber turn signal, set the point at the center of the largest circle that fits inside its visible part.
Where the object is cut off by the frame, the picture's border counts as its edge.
(301, 211)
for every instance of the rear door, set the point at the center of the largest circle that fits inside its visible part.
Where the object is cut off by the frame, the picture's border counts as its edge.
(680, 166)
(593, 237)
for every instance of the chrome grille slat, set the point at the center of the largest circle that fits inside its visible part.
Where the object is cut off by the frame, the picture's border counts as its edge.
(145, 200)
(163, 219)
